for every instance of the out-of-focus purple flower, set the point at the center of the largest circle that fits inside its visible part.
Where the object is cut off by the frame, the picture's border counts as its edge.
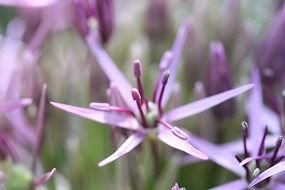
(271, 60)
(176, 187)
(95, 13)
(157, 21)
(219, 79)
(27, 3)
(19, 175)
(147, 118)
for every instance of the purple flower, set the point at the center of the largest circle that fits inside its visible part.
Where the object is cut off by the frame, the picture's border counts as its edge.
(252, 147)
(12, 105)
(147, 118)
(27, 3)
(176, 187)
(89, 13)
(219, 79)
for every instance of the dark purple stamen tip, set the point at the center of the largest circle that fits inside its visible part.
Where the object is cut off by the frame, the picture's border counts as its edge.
(137, 68)
(245, 128)
(165, 77)
(245, 135)
(276, 149)
(136, 95)
(261, 147)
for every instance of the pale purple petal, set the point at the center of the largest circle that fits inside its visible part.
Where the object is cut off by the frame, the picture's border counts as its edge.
(239, 184)
(27, 3)
(111, 118)
(217, 155)
(44, 179)
(272, 120)
(204, 104)
(176, 50)
(12, 105)
(132, 142)
(277, 185)
(249, 159)
(112, 71)
(276, 169)
(166, 136)
(2, 176)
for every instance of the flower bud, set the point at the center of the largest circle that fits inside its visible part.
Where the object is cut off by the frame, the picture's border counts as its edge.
(219, 79)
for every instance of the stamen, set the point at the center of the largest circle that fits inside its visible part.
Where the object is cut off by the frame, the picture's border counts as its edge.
(245, 136)
(245, 167)
(256, 172)
(279, 159)
(164, 63)
(276, 149)
(179, 133)
(137, 97)
(137, 73)
(108, 107)
(164, 81)
(261, 147)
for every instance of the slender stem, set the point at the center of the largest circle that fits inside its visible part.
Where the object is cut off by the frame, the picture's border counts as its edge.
(155, 156)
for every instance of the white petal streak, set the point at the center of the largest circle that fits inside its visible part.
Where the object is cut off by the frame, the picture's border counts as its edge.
(132, 142)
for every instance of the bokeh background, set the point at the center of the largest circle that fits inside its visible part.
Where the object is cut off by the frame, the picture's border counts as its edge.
(141, 29)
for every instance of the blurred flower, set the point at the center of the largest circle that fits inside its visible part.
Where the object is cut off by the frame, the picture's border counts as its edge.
(19, 175)
(146, 118)
(27, 3)
(93, 14)
(219, 79)
(176, 187)
(270, 59)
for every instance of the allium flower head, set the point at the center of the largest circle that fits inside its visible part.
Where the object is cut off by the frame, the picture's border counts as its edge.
(147, 117)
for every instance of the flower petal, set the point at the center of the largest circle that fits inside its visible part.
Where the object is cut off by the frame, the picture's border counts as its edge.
(277, 168)
(112, 71)
(27, 3)
(12, 105)
(44, 179)
(176, 50)
(239, 184)
(217, 155)
(133, 141)
(110, 118)
(166, 136)
(204, 104)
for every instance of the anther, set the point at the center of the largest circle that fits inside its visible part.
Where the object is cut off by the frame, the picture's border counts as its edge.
(256, 172)
(136, 95)
(164, 81)
(276, 149)
(245, 135)
(137, 73)
(137, 68)
(179, 133)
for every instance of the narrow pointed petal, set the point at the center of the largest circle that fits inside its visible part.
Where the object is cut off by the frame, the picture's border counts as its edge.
(204, 104)
(12, 105)
(176, 50)
(276, 169)
(114, 119)
(166, 136)
(239, 184)
(249, 159)
(39, 128)
(44, 179)
(132, 142)
(112, 71)
(217, 154)
(27, 3)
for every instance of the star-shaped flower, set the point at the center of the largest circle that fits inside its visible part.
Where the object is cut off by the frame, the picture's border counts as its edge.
(147, 117)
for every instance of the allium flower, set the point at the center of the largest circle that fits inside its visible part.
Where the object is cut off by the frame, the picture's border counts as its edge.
(94, 13)
(219, 79)
(147, 118)
(176, 187)
(18, 176)
(27, 3)
(255, 141)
